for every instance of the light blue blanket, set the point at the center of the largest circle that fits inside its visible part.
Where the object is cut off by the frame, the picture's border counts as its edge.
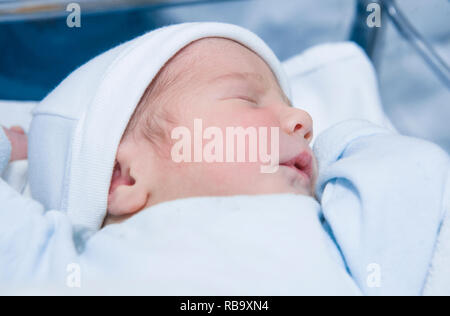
(374, 232)
(384, 197)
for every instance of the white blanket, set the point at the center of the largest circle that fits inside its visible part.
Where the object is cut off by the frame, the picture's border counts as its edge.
(265, 245)
(438, 282)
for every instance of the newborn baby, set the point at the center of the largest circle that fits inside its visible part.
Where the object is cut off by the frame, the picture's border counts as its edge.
(225, 85)
(117, 142)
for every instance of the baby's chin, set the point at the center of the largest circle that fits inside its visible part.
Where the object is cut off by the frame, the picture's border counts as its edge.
(297, 182)
(284, 180)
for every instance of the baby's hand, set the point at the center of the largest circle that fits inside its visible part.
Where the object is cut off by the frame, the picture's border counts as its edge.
(19, 142)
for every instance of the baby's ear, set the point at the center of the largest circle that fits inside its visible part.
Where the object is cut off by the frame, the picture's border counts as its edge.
(126, 196)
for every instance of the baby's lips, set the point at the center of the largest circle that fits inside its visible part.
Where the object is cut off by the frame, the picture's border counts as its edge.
(303, 162)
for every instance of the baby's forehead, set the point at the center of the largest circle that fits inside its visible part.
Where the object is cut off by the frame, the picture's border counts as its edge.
(214, 57)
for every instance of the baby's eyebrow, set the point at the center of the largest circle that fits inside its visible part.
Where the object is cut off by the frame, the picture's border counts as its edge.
(243, 76)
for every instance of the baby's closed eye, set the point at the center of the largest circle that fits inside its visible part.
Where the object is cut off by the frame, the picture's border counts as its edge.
(245, 98)
(242, 93)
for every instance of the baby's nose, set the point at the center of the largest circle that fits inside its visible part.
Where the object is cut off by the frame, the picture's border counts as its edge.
(298, 122)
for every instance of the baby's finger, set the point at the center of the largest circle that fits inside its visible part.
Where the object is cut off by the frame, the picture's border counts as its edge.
(17, 129)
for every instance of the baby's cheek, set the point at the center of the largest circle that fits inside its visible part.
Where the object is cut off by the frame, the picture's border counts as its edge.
(230, 178)
(255, 117)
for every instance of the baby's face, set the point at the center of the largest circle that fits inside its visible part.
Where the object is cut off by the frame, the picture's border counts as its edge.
(216, 85)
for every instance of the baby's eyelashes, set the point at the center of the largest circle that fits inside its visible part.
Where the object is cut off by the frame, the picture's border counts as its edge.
(246, 102)
(247, 99)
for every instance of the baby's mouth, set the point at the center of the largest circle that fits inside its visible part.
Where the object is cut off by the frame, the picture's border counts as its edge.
(302, 163)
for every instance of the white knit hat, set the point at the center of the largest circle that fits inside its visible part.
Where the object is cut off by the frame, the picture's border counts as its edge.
(77, 128)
